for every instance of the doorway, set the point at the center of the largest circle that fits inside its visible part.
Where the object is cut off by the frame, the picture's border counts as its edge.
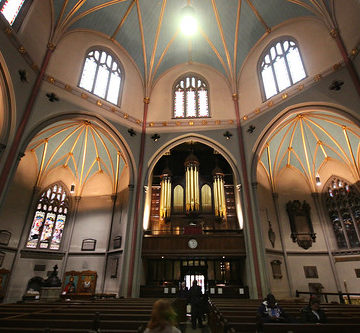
(189, 278)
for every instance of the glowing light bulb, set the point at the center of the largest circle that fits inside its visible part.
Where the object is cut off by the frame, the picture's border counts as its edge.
(188, 23)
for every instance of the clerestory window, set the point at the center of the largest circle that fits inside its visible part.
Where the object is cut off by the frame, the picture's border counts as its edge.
(280, 67)
(14, 11)
(343, 205)
(102, 75)
(49, 219)
(190, 97)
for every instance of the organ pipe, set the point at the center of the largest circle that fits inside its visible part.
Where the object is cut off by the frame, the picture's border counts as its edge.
(165, 196)
(192, 184)
(219, 193)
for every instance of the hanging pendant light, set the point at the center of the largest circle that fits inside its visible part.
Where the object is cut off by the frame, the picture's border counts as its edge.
(188, 21)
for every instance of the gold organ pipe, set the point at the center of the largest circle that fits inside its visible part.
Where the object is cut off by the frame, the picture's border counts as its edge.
(161, 198)
(197, 197)
(223, 197)
(169, 198)
(191, 188)
(187, 189)
(215, 198)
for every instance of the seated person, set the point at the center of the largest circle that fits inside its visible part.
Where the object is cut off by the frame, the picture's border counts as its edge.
(163, 318)
(312, 312)
(270, 312)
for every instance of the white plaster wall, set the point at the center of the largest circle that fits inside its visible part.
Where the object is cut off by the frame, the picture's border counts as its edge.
(34, 32)
(67, 62)
(326, 277)
(266, 203)
(13, 212)
(279, 287)
(318, 51)
(291, 186)
(92, 221)
(220, 103)
(346, 272)
(23, 272)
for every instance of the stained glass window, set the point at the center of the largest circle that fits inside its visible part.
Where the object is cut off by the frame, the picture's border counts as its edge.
(101, 75)
(343, 205)
(281, 67)
(10, 9)
(49, 219)
(191, 97)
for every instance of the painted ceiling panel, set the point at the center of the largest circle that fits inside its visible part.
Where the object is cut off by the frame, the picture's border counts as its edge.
(83, 147)
(316, 137)
(275, 12)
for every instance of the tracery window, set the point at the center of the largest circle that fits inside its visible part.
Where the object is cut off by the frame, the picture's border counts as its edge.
(280, 67)
(343, 205)
(191, 97)
(102, 75)
(11, 9)
(49, 219)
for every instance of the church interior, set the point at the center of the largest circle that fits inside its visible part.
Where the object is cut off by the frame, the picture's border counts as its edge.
(146, 143)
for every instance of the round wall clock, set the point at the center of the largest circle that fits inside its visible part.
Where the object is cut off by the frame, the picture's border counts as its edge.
(192, 243)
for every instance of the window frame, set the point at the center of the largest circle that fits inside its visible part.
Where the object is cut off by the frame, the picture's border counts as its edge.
(329, 222)
(35, 209)
(262, 57)
(19, 19)
(122, 77)
(176, 82)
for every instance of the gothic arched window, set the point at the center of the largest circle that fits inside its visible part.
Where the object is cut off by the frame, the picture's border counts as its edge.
(49, 219)
(343, 205)
(280, 67)
(191, 97)
(102, 75)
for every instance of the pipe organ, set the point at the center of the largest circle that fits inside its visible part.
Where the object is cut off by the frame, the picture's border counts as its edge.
(165, 196)
(219, 193)
(192, 197)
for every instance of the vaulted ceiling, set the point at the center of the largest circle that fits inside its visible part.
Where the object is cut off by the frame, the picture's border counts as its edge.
(149, 29)
(306, 141)
(80, 146)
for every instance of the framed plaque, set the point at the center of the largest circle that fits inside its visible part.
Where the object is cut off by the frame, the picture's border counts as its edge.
(88, 244)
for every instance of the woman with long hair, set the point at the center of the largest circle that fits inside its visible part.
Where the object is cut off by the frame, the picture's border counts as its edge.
(163, 318)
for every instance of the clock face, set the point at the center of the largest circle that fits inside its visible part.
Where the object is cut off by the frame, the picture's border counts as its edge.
(192, 243)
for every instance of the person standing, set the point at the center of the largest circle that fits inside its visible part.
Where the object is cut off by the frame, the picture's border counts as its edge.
(195, 300)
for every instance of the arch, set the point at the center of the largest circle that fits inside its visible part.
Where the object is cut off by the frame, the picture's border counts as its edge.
(206, 141)
(7, 104)
(114, 68)
(279, 48)
(342, 205)
(201, 96)
(105, 125)
(51, 212)
(286, 113)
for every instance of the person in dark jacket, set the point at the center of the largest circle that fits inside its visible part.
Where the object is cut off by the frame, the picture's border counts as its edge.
(270, 312)
(312, 313)
(195, 299)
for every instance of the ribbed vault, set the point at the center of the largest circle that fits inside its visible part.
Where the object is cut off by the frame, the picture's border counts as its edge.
(81, 146)
(306, 141)
(149, 29)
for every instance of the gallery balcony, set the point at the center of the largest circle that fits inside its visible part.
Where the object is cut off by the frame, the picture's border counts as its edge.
(193, 241)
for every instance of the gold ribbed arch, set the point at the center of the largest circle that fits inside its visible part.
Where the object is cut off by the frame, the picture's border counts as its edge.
(306, 141)
(80, 146)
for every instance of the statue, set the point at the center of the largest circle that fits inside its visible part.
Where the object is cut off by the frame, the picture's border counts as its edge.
(53, 280)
